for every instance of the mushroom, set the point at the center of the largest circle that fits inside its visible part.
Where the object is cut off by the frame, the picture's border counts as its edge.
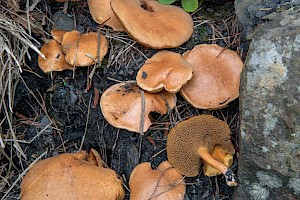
(122, 106)
(82, 50)
(55, 59)
(192, 141)
(216, 77)
(153, 24)
(164, 70)
(222, 155)
(58, 34)
(71, 176)
(164, 183)
(102, 13)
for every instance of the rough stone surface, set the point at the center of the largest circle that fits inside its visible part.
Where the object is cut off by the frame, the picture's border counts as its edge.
(269, 161)
(253, 12)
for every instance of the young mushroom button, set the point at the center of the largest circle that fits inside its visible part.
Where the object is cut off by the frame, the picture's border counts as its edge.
(153, 24)
(82, 50)
(55, 59)
(164, 70)
(192, 141)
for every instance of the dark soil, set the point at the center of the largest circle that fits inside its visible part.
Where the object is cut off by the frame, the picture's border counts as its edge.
(68, 98)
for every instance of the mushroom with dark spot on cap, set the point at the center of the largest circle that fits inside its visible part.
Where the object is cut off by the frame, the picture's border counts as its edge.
(216, 77)
(193, 141)
(121, 105)
(164, 183)
(153, 24)
(164, 70)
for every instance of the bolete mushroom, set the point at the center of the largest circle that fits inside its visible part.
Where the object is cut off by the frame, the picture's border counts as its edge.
(164, 183)
(192, 141)
(216, 77)
(222, 155)
(71, 176)
(153, 24)
(122, 106)
(164, 70)
(102, 14)
(82, 50)
(55, 59)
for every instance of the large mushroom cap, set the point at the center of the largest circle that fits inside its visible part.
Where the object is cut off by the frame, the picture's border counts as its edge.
(121, 105)
(58, 34)
(70, 176)
(55, 59)
(188, 136)
(102, 13)
(164, 183)
(164, 70)
(216, 77)
(82, 50)
(153, 24)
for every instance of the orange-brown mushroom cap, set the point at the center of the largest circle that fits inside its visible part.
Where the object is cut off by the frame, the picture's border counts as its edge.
(121, 106)
(58, 34)
(216, 77)
(164, 70)
(157, 26)
(164, 183)
(222, 155)
(55, 59)
(70, 176)
(82, 50)
(188, 136)
(102, 13)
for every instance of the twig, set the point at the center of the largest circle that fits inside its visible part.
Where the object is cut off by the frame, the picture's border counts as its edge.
(86, 124)
(22, 174)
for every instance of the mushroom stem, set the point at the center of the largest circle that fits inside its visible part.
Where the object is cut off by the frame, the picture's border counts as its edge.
(206, 156)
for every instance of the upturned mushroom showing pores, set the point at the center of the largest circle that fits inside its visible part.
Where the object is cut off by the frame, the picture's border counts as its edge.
(122, 106)
(70, 176)
(164, 70)
(82, 50)
(153, 24)
(192, 141)
(216, 77)
(164, 183)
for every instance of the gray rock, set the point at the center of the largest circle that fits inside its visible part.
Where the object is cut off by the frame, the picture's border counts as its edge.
(252, 12)
(269, 159)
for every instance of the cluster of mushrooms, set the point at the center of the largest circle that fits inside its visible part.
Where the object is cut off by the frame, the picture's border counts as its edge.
(207, 77)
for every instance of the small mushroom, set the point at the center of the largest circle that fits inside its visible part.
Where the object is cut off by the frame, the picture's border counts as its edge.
(122, 106)
(55, 59)
(82, 50)
(164, 183)
(192, 141)
(153, 24)
(164, 70)
(71, 176)
(102, 14)
(216, 77)
(58, 34)
(222, 155)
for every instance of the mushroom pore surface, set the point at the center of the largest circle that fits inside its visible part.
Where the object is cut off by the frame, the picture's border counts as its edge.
(188, 136)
